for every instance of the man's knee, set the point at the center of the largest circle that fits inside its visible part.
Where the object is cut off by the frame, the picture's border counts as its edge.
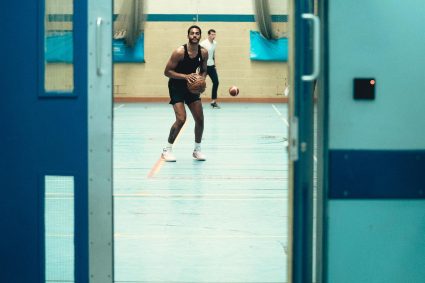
(180, 120)
(199, 121)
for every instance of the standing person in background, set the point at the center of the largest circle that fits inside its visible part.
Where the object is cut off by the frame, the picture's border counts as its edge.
(181, 68)
(210, 44)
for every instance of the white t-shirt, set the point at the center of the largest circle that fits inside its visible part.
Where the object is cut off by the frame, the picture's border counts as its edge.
(211, 49)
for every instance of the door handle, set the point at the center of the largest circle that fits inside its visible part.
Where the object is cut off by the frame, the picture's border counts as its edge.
(99, 46)
(316, 47)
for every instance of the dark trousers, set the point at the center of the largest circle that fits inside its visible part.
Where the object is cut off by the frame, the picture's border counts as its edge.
(212, 72)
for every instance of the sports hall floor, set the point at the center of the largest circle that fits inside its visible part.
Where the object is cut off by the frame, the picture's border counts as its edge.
(221, 220)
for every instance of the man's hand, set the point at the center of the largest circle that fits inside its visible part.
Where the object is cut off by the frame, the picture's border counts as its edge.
(191, 78)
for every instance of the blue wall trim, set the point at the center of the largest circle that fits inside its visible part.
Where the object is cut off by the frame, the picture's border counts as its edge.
(184, 18)
(209, 18)
(377, 174)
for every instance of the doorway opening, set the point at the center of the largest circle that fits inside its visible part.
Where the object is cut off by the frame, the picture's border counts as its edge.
(222, 220)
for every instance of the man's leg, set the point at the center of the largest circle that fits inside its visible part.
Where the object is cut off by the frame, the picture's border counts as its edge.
(212, 73)
(198, 115)
(180, 113)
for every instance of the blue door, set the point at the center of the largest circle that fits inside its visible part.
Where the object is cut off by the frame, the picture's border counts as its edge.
(44, 163)
(374, 143)
(305, 73)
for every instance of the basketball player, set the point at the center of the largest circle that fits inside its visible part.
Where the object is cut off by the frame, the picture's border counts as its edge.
(210, 44)
(181, 68)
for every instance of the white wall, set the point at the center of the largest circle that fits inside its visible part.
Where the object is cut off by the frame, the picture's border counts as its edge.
(255, 79)
(235, 7)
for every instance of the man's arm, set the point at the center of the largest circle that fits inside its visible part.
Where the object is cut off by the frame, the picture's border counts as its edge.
(204, 54)
(172, 63)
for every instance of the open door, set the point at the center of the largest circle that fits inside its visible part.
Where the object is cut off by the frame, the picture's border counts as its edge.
(304, 66)
(373, 144)
(50, 141)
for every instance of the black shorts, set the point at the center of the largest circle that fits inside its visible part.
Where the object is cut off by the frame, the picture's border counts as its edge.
(180, 93)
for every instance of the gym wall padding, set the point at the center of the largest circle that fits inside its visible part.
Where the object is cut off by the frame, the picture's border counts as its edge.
(59, 49)
(124, 53)
(263, 49)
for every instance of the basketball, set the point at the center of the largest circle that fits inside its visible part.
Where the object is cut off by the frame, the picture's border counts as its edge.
(198, 86)
(233, 90)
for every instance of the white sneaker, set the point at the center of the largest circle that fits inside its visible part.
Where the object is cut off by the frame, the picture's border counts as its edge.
(198, 155)
(167, 155)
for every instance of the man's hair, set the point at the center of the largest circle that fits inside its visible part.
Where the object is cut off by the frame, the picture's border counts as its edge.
(211, 30)
(193, 26)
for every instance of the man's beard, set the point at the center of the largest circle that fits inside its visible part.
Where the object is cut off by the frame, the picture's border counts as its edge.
(194, 40)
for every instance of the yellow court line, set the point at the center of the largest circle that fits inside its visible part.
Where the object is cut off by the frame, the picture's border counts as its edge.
(156, 167)
(158, 164)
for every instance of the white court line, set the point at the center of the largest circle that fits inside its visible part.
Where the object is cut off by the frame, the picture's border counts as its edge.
(286, 122)
(280, 115)
(119, 106)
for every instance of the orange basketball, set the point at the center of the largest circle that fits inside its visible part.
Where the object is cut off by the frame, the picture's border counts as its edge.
(198, 86)
(233, 90)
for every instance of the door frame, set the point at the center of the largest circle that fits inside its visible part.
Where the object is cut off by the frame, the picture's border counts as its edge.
(100, 142)
(301, 140)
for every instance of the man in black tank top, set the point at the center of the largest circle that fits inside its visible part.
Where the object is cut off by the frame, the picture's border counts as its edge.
(181, 68)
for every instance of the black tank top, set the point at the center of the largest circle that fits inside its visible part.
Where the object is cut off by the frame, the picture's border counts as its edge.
(187, 66)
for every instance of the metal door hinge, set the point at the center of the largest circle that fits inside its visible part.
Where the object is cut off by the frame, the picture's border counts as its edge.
(293, 139)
